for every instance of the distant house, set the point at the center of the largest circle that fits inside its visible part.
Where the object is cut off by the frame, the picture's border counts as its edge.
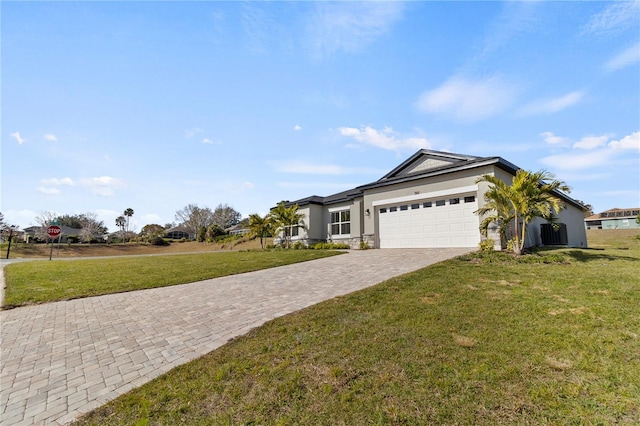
(613, 219)
(40, 233)
(178, 233)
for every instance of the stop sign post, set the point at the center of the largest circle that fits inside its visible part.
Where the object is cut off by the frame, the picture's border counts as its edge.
(53, 231)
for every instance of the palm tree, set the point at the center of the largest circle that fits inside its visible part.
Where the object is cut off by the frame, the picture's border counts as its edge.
(128, 213)
(260, 226)
(529, 196)
(284, 219)
(121, 222)
(497, 209)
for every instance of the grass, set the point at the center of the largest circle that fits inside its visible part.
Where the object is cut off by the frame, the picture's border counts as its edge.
(32, 250)
(467, 341)
(45, 281)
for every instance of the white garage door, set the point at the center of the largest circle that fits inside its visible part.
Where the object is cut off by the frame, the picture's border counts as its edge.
(441, 222)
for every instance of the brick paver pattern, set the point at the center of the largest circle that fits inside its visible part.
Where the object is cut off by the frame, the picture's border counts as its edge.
(60, 360)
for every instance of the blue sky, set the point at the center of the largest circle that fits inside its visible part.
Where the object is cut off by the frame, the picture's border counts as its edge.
(156, 105)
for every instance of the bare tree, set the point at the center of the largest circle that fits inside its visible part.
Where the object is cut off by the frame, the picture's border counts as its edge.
(91, 226)
(225, 216)
(193, 217)
(43, 221)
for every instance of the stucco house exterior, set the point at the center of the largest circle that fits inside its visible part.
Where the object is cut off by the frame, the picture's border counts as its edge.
(614, 219)
(427, 201)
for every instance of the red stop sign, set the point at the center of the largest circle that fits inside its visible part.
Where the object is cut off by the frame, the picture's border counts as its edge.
(53, 231)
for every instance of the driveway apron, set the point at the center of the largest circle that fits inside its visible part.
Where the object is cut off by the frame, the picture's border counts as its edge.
(60, 360)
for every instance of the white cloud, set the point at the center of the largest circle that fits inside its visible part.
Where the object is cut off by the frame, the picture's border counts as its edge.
(548, 106)
(192, 132)
(624, 58)
(304, 167)
(297, 127)
(329, 186)
(631, 141)
(20, 139)
(48, 190)
(385, 138)
(615, 18)
(573, 161)
(51, 137)
(102, 186)
(207, 141)
(57, 182)
(552, 139)
(468, 100)
(350, 26)
(592, 142)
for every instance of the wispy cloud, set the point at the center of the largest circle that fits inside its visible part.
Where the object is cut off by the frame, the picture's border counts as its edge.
(552, 139)
(57, 181)
(305, 167)
(615, 18)
(208, 141)
(103, 186)
(329, 186)
(47, 190)
(573, 161)
(192, 132)
(631, 141)
(549, 106)
(592, 142)
(623, 59)
(468, 100)
(350, 26)
(297, 127)
(386, 138)
(17, 137)
(51, 137)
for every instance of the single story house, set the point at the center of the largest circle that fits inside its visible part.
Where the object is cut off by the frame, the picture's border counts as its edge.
(40, 233)
(614, 219)
(179, 232)
(427, 201)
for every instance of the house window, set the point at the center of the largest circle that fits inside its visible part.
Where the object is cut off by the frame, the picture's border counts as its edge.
(341, 222)
(405, 207)
(454, 200)
(426, 204)
(440, 203)
(393, 209)
(415, 206)
(470, 199)
(295, 231)
(383, 210)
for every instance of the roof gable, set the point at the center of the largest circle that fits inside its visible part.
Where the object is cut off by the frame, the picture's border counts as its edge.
(425, 161)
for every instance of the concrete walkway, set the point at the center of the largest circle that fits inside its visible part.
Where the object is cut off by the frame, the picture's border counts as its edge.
(60, 360)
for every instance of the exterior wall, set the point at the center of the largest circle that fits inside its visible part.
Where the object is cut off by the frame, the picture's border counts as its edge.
(418, 189)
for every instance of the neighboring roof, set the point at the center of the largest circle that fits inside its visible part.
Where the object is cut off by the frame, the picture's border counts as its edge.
(616, 213)
(66, 230)
(423, 164)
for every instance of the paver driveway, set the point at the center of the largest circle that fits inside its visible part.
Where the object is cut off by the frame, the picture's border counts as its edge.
(62, 359)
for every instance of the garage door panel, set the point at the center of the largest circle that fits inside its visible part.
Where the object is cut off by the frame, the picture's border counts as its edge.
(451, 225)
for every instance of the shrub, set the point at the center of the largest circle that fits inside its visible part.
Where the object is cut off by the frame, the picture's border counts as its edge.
(72, 239)
(486, 245)
(298, 245)
(158, 241)
(364, 245)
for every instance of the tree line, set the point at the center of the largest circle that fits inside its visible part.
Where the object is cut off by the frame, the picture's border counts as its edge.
(202, 223)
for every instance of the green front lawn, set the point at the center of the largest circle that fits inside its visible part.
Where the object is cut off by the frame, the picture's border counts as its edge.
(48, 281)
(466, 341)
